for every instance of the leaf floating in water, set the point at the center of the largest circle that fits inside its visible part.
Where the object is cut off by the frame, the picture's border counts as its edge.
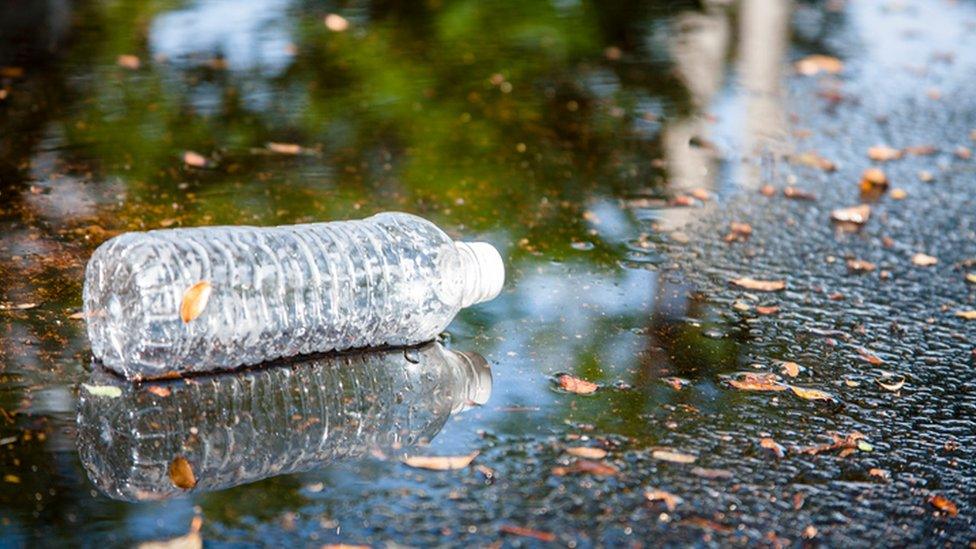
(195, 300)
(873, 177)
(753, 381)
(860, 266)
(670, 500)
(798, 194)
(17, 306)
(966, 315)
(812, 394)
(791, 369)
(857, 215)
(673, 456)
(879, 473)
(196, 160)
(815, 64)
(814, 160)
(776, 448)
(893, 386)
(130, 62)
(760, 285)
(106, 391)
(899, 194)
(944, 504)
(869, 357)
(587, 452)
(576, 385)
(546, 537)
(440, 463)
(181, 473)
(767, 310)
(159, 390)
(336, 23)
(711, 474)
(846, 445)
(923, 260)
(588, 467)
(738, 232)
(285, 148)
(971, 278)
(883, 153)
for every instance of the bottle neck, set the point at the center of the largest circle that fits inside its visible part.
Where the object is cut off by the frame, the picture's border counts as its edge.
(483, 272)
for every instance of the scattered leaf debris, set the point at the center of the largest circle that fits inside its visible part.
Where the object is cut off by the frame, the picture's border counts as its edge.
(576, 385)
(899, 194)
(944, 504)
(891, 382)
(673, 456)
(195, 300)
(966, 315)
(814, 160)
(711, 474)
(760, 285)
(795, 193)
(883, 153)
(857, 215)
(440, 463)
(521, 531)
(812, 65)
(811, 394)
(923, 260)
(756, 381)
(860, 266)
(774, 447)
(766, 310)
(336, 23)
(587, 452)
(670, 500)
(879, 473)
(791, 369)
(159, 390)
(181, 473)
(128, 61)
(196, 160)
(846, 444)
(285, 148)
(588, 467)
(738, 232)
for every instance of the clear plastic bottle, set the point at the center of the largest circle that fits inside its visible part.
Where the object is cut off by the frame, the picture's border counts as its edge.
(391, 279)
(234, 428)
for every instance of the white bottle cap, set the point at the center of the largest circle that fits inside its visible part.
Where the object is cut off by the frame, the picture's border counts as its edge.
(484, 272)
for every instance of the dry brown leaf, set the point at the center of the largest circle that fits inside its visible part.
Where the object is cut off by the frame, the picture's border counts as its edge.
(921, 150)
(576, 385)
(755, 381)
(285, 148)
(760, 285)
(893, 387)
(711, 474)
(874, 177)
(673, 456)
(899, 194)
(670, 500)
(195, 300)
(944, 504)
(855, 214)
(883, 153)
(586, 467)
(860, 266)
(181, 473)
(846, 444)
(336, 23)
(767, 309)
(814, 160)
(923, 260)
(738, 232)
(776, 448)
(971, 278)
(195, 160)
(791, 369)
(547, 537)
(798, 194)
(811, 394)
(587, 452)
(80, 315)
(966, 315)
(440, 463)
(159, 390)
(869, 357)
(815, 64)
(879, 473)
(17, 306)
(676, 383)
(130, 62)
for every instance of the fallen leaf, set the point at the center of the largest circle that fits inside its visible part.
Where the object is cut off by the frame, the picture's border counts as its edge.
(883, 153)
(285, 148)
(860, 266)
(527, 533)
(971, 278)
(440, 463)
(755, 381)
(336, 23)
(586, 467)
(893, 387)
(711, 474)
(587, 452)
(869, 357)
(925, 176)
(967, 315)
(921, 150)
(11, 478)
(798, 194)
(923, 260)
(814, 64)
(738, 232)
(130, 62)
(791, 369)
(576, 385)
(106, 391)
(776, 448)
(159, 390)
(670, 500)
(196, 160)
(181, 473)
(944, 504)
(810, 532)
(879, 473)
(814, 160)
(767, 309)
(760, 285)
(874, 177)
(673, 456)
(858, 215)
(195, 300)
(845, 444)
(676, 383)
(963, 152)
(811, 394)
(767, 190)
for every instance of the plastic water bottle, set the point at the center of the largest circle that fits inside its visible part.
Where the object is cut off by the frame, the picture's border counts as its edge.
(161, 439)
(168, 302)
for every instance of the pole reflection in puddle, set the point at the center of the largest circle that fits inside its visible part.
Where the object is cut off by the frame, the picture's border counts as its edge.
(158, 440)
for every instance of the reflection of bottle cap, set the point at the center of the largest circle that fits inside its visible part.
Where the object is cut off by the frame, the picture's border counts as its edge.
(484, 272)
(478, 378)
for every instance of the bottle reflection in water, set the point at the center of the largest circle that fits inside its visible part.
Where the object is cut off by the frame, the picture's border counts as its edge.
(158, 440)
